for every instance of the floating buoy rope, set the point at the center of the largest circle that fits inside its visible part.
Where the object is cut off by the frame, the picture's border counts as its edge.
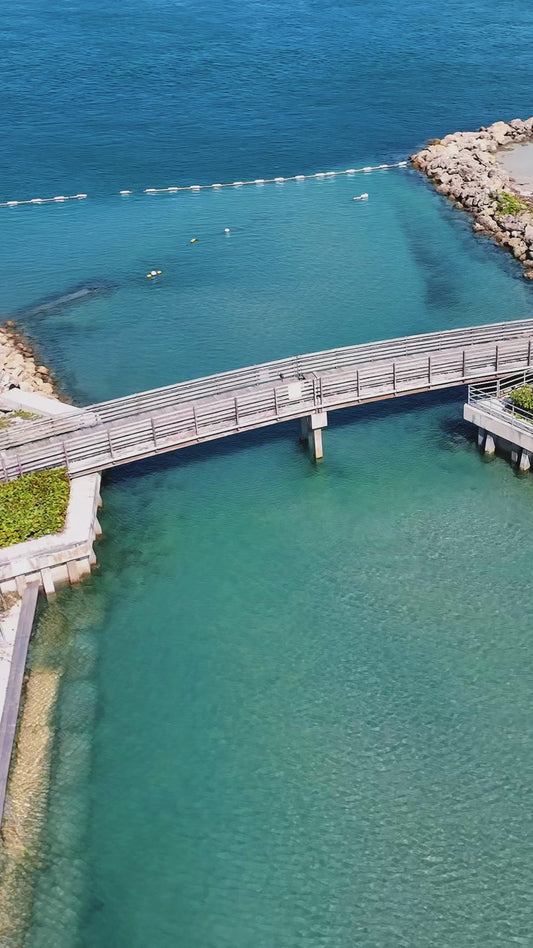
(202, 187)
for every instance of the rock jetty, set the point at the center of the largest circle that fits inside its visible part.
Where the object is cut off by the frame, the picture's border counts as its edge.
(19, 365)
(465, 167)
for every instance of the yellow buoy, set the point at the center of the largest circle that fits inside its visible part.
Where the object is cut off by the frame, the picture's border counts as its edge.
(159, 272)
(148, 276)
(193, 241)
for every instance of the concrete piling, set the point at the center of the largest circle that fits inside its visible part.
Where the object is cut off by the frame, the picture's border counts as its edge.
(311, 427)
(490, 446)
(525, 461)
(501, 430)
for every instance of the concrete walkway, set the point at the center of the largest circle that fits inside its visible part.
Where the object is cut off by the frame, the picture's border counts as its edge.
(14, 653)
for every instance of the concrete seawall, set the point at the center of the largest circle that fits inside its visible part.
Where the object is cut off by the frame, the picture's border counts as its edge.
(11, 697)
(62, 558)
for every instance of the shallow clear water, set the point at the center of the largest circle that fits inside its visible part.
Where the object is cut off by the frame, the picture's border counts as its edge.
(295, 707)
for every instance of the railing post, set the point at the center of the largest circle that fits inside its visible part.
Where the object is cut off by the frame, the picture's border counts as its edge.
(529, 353)
(236, 412)
(109, 443)
(358, 389)
(153, 432)
(496, 359)
(464, 363)
(429, 371)
(394, 377)
(195, 419)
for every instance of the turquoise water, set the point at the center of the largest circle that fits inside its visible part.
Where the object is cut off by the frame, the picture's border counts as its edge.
(295, 703)
(303, 268)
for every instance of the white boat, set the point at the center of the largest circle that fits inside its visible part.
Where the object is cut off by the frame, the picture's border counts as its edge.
(361, 197)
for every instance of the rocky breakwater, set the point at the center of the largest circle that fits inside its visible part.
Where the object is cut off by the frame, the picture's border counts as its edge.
(19, 366)
(465, 167)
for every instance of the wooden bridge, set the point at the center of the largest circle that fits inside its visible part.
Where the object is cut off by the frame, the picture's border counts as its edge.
(303, 387)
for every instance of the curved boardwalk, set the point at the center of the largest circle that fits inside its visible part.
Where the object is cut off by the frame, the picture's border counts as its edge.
(307, 386)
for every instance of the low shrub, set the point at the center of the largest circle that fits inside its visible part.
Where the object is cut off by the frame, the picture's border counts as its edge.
(7, 418)
(33, 506)
(523, 397)
(509, 204)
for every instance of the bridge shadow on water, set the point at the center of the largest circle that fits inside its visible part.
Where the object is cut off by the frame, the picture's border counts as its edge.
(450, 432)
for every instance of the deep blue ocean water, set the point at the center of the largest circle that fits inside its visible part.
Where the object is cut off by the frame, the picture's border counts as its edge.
(98, 97)
(295, 704)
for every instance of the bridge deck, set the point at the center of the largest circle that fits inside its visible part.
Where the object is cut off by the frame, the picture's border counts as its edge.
(138, 426)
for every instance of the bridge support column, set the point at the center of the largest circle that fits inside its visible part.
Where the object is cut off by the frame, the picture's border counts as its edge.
(311, 427)
(525, 461)
(490, 446)
(316, 444)
(480, 437)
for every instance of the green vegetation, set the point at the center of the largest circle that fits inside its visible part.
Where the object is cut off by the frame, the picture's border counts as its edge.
(6, 420)
(32, 506)
(509, 204)
(522, 397)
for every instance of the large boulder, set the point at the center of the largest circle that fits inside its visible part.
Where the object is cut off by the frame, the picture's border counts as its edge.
(518, 247)
(500, 132)
(487, 223)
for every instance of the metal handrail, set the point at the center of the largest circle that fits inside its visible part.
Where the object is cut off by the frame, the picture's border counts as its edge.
(205, 409)
(328, 360)
(487, 395)
(502, 386)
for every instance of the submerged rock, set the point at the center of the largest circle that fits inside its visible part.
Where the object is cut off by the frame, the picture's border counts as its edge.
(75, 295)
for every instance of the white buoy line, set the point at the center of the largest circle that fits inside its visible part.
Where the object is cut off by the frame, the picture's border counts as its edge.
(60, 198)
(278, 180)
(230, 184)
